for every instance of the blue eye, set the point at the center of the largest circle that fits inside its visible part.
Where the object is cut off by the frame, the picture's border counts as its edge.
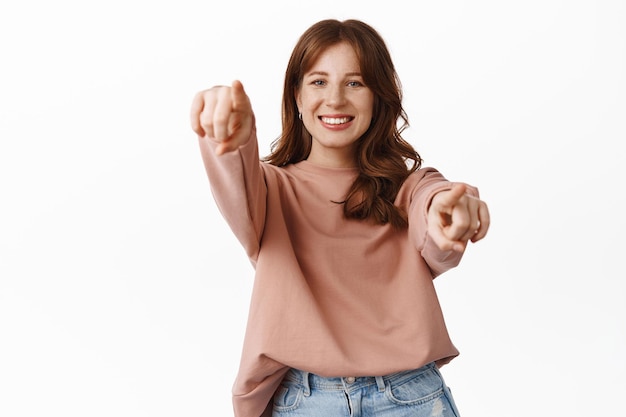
(318, 82)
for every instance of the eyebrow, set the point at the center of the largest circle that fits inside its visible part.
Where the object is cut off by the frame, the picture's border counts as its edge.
(348, 74)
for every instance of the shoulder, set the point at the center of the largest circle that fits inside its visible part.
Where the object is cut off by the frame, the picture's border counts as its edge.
(277, 177)
(274, 171)
(422, 182)
(421, 178)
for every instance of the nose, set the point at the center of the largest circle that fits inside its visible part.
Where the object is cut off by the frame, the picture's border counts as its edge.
(335, 96)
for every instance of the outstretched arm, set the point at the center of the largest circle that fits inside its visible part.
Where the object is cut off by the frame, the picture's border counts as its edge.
(223, 119)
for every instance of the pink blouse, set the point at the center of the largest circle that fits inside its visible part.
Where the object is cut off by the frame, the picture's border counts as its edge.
(331, 296)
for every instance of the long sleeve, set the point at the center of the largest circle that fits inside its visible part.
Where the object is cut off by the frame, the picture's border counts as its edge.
(239, 190)
(430, 183)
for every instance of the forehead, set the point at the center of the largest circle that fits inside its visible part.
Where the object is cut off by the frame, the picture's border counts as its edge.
(339, 57)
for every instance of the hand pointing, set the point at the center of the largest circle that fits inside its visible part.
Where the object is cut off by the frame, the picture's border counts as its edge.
(454, 218)
(224, 115)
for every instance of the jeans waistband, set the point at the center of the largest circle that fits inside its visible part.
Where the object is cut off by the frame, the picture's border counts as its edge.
(349, 383)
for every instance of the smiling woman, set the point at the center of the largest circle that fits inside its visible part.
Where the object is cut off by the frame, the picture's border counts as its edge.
(336, 106)
(371, 86)
(346, 231)
(124, 293)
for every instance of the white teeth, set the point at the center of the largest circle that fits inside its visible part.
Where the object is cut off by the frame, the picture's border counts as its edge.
(335, 121)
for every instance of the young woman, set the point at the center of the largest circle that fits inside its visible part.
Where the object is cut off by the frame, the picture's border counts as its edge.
(346, 232)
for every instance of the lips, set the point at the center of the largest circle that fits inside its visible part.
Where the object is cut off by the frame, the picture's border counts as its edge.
(336, 120)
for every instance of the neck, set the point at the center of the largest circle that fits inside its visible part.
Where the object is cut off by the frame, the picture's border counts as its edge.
(335, 158)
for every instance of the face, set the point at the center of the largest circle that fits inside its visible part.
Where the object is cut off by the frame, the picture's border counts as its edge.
(336, 106)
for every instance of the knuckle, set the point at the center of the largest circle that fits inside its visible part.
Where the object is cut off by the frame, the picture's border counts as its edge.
(206, 121)
(463, 224)
(221, 118)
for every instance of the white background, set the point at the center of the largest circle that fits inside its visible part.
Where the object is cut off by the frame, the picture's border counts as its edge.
(123, 293)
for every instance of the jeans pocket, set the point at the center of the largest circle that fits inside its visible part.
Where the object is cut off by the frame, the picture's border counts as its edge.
(288, 396)
(420, 388)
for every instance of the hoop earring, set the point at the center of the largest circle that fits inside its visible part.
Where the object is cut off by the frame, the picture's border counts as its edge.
(299, 115)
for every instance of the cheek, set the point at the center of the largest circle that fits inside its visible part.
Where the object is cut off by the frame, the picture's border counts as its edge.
(308, 101)
(371, 102)
(367, 112)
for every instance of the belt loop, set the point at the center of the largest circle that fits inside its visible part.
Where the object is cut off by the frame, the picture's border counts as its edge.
(381, 383)
(305, 383)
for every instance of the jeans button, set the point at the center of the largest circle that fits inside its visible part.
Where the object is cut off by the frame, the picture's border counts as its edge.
(350, 379)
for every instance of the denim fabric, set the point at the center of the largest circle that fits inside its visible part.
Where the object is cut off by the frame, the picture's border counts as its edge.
(417, 393)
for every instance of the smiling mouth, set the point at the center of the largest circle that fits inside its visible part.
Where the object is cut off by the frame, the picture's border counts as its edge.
(335, 120)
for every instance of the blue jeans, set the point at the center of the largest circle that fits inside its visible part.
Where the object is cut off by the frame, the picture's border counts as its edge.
(417, 393)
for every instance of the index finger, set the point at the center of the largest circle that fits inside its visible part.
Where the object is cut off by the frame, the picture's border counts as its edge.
(453, 195)
(240, 101)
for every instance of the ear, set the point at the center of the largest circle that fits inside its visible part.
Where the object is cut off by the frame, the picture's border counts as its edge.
(298, 101)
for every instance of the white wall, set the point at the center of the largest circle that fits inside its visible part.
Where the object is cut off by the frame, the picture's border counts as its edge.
(123, 293)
